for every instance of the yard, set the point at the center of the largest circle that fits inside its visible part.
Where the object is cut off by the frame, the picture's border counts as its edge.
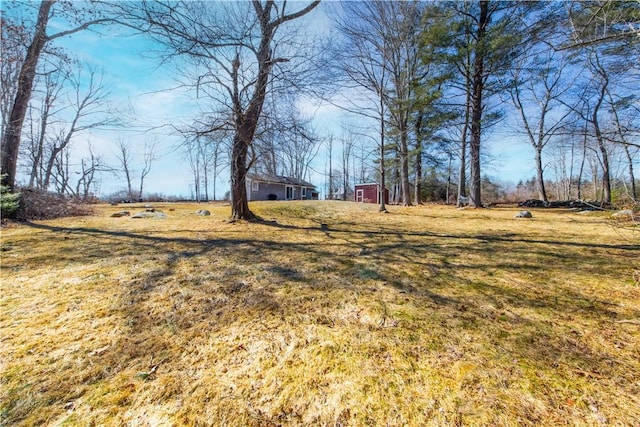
(423, 316)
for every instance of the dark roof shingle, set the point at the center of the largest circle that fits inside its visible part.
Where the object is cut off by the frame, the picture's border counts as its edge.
(277, 179)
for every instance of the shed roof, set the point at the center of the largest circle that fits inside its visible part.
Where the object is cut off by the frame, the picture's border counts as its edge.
(370, 183)
(277, 179)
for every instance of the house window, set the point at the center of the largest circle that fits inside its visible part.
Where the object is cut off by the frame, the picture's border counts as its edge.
(304, 192)
(255, 185)
(289, 193)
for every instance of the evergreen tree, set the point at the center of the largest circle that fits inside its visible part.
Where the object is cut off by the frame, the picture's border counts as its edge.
(9, 202)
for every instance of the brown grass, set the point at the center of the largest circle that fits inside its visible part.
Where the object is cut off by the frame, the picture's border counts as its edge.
(422, 316)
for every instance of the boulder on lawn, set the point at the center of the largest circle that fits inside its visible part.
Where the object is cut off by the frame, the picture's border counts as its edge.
(120, 214)
(150, 213)
(623, 214)
(523, 214)
(203, 212)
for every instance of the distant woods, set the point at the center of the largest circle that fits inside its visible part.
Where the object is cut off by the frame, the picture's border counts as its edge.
(444, 79)
(425, 87)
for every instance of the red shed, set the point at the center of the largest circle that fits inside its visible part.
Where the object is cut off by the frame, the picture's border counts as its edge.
(368, 193)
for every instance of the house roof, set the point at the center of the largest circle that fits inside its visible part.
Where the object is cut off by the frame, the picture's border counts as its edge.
(277, 179)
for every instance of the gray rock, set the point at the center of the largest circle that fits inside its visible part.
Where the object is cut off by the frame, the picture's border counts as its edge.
(523, 214)
(203, 212)
(150, 214)
(627, 213)
(120, 214)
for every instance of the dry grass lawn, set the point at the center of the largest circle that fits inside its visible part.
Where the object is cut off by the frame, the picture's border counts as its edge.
(425, 316)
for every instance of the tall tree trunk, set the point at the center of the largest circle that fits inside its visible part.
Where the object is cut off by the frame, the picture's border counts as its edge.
(206, 181)
(55, 151)
(542, 191)
(239, 205)
(141, 187)
(397, 186)
(476, 107)
(584, 159)
(462, 176)
(404, 168)
(36, 168)
(247, 120)
(606, 174)
(381, 189)
(632, 178)
(418, 179)
(330, 195)
(571, 166)
(13, 130)
(128, 178)
(448, 192)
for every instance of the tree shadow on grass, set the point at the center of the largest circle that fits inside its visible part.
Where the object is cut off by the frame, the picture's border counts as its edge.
(239, 280)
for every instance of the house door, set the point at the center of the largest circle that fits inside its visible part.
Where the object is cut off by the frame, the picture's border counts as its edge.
(360, 196)
(289, 193)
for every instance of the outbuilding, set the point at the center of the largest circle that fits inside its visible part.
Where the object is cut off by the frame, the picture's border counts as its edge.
(369, 193)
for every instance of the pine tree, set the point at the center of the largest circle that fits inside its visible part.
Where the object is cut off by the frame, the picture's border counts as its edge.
(9, 202)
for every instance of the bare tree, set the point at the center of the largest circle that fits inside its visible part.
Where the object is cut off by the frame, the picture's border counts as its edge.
(218, 155)
(537, 89)
(86, 174)
(591, 112)
(13, 41)
(623, 130)
(205, 156)
(193, 149)
(87, 101)
(286, 143)
(61, 172)
(364, 55)
(330, 172)
(241, 52)
(13, 128)
(124, 157)
(39, 125)
(90, 168)
(602, 23)
(381, 55)
(128, 159)
(605, 33)
(148, 157)
(299, 146)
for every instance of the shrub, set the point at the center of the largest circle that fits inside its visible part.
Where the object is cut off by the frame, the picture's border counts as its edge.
(39, 204)
(9, 202)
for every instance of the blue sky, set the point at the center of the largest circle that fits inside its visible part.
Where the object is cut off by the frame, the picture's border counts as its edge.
(143, 91)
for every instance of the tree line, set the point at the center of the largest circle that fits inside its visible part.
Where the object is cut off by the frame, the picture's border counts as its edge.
(431, 79)
(439, 76)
